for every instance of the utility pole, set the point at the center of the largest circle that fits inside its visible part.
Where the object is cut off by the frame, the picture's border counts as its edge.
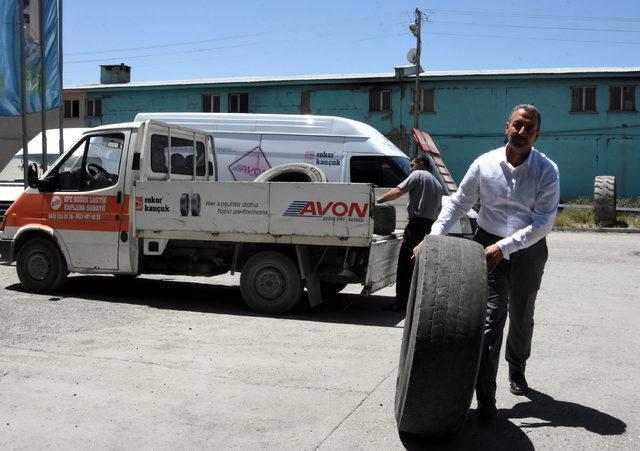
(415, 29)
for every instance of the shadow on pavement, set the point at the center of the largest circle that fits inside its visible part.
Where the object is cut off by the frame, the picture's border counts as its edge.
(476, 434)
(553, 413)
(206, 297)
(501, 434)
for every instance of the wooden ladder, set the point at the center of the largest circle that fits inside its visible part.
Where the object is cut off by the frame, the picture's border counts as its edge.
(427, 145)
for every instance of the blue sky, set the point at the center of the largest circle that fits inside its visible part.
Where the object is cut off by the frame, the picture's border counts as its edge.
(169, 40)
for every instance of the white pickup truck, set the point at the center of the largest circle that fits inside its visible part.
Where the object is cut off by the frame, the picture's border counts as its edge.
(142, 198)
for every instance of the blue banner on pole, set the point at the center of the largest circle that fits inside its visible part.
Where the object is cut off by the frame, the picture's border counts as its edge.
(10, 20)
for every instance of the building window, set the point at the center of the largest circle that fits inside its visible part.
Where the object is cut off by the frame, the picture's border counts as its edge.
(379, 99)
(425, 101)
(622, 98)
(583, 99)
(71, 109)
(94, 108)
(210, 103)
(239, 103)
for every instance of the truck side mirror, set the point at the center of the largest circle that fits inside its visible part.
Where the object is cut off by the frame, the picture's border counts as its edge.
(32, 175)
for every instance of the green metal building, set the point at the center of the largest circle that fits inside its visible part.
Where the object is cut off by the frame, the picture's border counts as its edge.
(590, 120)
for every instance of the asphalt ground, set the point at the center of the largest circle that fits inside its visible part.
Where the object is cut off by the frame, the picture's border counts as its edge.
(163, 362)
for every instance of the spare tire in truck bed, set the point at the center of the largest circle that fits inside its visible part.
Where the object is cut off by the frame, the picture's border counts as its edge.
(442, 337)
(293, 172)
(384, 219)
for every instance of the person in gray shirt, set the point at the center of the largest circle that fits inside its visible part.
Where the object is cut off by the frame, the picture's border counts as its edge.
(425, 197)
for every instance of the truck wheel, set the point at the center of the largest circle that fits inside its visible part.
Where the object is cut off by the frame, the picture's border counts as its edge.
(442, 337)
(40, 265)
(270, 283)
(604, 200)
(384, 219)
(293, 172)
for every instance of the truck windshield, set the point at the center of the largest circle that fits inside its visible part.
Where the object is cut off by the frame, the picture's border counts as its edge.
(13, 172)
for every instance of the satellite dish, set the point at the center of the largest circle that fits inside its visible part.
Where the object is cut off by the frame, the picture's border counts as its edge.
(412, 56)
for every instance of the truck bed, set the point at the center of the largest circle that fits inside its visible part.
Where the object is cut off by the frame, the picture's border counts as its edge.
(279, 212)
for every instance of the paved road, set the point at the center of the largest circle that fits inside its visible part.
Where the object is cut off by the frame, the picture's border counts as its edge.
(168, 362)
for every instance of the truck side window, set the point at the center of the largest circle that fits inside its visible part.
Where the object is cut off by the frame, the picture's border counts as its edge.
(182, 157)
(93, 164)
(382, 171)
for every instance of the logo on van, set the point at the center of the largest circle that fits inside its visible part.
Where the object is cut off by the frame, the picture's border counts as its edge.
(316, 209)
(249, 166)
(327, 159)
(56, 203)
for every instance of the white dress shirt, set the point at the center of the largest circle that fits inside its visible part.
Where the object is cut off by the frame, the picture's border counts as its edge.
(518, 203)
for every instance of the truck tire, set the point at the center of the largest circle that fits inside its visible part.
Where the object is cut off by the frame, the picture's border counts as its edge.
(40, 265)
(293, 172)
(384, 219)
(604, 200)
(442, 337)
(270, 282)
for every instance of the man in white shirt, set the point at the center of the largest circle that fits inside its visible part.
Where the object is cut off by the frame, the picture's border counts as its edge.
(519, 189)
(425, 199)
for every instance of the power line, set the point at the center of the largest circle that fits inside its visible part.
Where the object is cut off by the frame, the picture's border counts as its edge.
(534, 27)
(533, 16)
(533, 38)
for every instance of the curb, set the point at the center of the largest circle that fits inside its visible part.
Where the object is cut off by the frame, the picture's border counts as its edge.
(596, 229)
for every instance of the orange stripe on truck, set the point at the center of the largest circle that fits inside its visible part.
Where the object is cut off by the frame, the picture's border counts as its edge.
(89, 212)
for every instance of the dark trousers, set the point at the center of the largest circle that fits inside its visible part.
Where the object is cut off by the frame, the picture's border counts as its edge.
(414, 233)
(513, 287)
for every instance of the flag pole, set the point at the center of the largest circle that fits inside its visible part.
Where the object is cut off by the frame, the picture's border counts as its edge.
(61, 112)
(23, 94)
(43, 88)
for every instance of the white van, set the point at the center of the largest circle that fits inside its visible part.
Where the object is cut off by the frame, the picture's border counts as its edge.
(347, 150)
(249, 144)
(12, 175)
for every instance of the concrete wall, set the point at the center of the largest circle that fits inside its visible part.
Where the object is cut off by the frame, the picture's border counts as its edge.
(469, 117)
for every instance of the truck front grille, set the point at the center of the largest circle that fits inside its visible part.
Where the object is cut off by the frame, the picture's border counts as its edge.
(4, 205)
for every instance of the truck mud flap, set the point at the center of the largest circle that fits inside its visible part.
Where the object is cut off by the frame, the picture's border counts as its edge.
(383, 262)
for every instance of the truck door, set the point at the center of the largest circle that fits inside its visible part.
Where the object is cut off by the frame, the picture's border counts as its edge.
(87, 201)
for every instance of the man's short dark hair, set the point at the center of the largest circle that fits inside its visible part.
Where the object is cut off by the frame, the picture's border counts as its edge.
(423, 160)
(532, 110)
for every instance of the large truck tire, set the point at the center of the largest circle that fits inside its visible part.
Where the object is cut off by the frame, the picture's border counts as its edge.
(293, 172)
(384, 219)
(40, 265)
(442, 338)
(604, 200)
(270, 282)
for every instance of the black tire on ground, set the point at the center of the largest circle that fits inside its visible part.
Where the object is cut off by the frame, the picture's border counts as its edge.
(293, 172)
(329, 290)
(40, 265)
(270, 283)
(384, 219)
(604, 200)
(442, 337)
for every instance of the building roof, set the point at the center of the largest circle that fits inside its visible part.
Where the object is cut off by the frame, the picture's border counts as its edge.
(500, 73)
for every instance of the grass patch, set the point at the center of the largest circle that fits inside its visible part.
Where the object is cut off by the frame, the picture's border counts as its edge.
(628, 221)
(575, 217)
